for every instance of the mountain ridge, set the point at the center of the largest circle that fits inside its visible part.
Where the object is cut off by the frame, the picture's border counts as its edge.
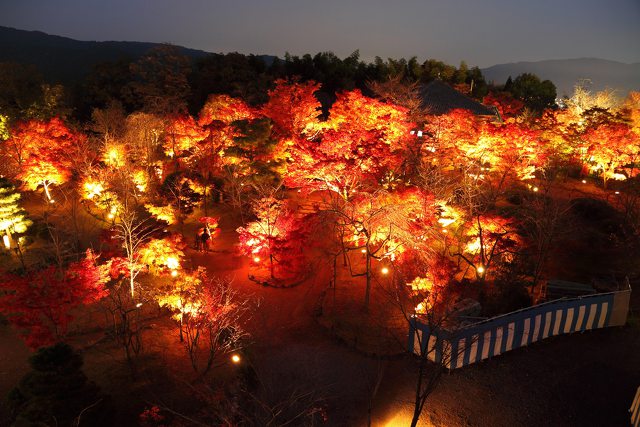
(565, 73)
(66, 60)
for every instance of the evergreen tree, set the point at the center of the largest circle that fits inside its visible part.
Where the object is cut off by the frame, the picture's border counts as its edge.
(536, 94)
(13, 218)
(508, 85)
(57, 393)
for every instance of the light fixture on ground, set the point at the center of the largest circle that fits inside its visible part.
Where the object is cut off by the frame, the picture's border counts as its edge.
(384, 270)
(235, 358)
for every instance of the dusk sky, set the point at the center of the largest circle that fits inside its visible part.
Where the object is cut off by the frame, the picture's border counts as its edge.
(483, 33)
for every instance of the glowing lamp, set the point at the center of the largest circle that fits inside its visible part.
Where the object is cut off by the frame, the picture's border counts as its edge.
(173, 263)
(480, 269)
(364, 251)
(584, 181)
(384, 270)
(235, 358)
(138, 305)
(535, 189)
(256, 259)
(174, 273)
(52, 201)
(617, 192)
(110, 216)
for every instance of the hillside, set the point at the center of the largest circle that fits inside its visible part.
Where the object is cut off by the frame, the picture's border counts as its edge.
(564, 73)
(64, 60)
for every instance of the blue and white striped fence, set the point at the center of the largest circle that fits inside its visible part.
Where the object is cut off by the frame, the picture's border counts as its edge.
(497, 335)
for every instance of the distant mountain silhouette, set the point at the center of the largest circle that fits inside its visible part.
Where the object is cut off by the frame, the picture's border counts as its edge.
(65, 60)
(564, 73)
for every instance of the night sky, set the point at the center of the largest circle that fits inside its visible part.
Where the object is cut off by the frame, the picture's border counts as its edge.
(483, 32)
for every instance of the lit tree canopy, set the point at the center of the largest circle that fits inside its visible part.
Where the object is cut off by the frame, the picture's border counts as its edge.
(13, 218)
(293, 108)
(612, 145)
(182, 135)
(40, 303)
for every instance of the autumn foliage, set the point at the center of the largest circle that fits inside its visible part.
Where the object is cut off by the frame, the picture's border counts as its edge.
(40, 304)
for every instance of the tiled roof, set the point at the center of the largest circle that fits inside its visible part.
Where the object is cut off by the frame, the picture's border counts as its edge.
(440, 98)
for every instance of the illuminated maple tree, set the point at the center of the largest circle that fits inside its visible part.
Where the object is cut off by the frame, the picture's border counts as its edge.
(224, 109)
(36, 173)
(114, 155)
(162, 213)
(611, 146)
(293, 109)
(489, 240)
(181, 297)
(428, 289)
(45, 140)
(42, 151)
(208, 312)
(134, 234)
(450, 138)
(265, 238)
(182, 135)
(508, 106)
(512, 151)
(361, 145)
(355, 113)
(162, 256)
(385, 225)
(143, 135)
(40, 303)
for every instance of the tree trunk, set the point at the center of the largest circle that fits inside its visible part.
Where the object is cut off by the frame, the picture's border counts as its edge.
(418, 403)
(271, 266)
(368, 275)
(46, 191)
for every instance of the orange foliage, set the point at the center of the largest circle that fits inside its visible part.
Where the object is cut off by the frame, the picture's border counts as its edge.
(183, 134)
(363, 142)
(357, 115)
(293, 108)
(43, 151)
(41, 172)
(452, 135)
(512, 149)
(43, 139)
(507, 105)
(224, 109)
(163, 255)
(612, 145)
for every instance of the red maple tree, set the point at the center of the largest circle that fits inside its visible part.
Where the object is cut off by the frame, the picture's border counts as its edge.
(40, 303)
(293, 108)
